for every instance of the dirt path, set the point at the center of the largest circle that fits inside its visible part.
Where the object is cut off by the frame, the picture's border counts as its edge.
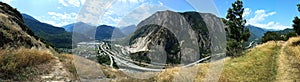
(287, 67)
(57, 72)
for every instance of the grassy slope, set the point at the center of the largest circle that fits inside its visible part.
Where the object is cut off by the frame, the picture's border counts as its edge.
(289, 61)
(258, 64)
(25, 64)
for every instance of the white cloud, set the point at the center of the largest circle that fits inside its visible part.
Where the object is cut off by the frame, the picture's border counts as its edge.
(247, 11)
(7, 1)
(118, 13)
(54, 23)
(61, 18)
(82, 2)
(160, 3)
(63, 2)
(140, 14)
(88, 18)
(73, 3)
(106, 11)
(132, 1)
(260, 16)
(92, 12)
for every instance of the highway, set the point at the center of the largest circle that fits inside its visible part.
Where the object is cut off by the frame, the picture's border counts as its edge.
(124, 62)
(128, 63)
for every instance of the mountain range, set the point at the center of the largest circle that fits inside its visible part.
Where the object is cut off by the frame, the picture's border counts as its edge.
(127, 30)
(55, 36)
(61, 37)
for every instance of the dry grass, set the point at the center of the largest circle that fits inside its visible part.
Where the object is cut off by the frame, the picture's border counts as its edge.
(68, 62)
(257, 65)
(293, 48)
(167, 75)
(19, 64)
(289, 61)
(195, 73)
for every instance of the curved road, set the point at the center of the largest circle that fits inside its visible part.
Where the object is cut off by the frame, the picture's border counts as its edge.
(128, 63)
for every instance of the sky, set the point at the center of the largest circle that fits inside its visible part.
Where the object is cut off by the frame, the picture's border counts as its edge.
(269, 14)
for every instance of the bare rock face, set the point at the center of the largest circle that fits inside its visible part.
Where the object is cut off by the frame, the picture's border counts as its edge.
(184, 37)
(13, 32)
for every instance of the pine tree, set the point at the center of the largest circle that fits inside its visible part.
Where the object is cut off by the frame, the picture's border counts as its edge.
(296, 25)
(237, 34)
(296, 22)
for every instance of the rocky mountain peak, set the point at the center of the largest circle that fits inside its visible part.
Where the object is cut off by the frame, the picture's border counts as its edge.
(185, 37)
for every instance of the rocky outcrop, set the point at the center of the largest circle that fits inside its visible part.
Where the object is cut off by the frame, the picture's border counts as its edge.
(184, 37)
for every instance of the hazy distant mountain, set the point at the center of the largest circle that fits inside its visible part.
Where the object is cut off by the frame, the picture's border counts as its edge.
(102, 32)
(285, 31)
(128, 29)
(69, 27)
(38, 27)
(81, 27)
(105, 32)
(56, 36)
(257, 31)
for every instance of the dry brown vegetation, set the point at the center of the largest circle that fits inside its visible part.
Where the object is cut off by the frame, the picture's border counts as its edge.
(289, 61)
(257, 65)
(293, 48)
(68, 62)
(20, 63)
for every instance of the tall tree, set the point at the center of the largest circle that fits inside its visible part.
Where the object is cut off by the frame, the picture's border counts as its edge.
(237, 34)
(296, 22)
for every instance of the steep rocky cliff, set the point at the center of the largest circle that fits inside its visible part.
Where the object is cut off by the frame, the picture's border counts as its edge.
(184, 37)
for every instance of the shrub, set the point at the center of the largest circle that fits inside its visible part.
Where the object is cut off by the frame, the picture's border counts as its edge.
(271, 36)
(19, 64)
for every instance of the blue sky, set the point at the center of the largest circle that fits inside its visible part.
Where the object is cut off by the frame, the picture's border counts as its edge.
(270, 14)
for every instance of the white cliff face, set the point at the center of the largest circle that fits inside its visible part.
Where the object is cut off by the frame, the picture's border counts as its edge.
(140, 45)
